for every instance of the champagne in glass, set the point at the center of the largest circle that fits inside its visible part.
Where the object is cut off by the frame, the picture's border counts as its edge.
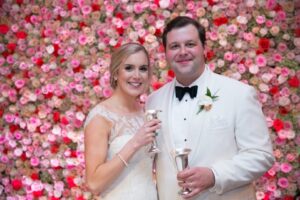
(152, 114)
(181, 161)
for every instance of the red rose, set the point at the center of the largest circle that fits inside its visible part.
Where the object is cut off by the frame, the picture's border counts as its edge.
(21, 35)
(56, 116)
(297, 32)
(11, 46)
(274, 90)
(69, 5)
(39, 62)
(82, 24)
(119, 15)
(211, 2)
(16, 184)
(95, 82)
(35, 176)
(4, 28)
(70, 181)
(157, 85)
(157, 32)
(54, 148)
(278, 125)
(264, 44)
(19, 2)
(120, 30)
(294, 82)
(95, 7)
(49, 95)
(209, 55)
(80, 198)
(67, 140)
(37, 194)
(288, 198)
(1, 112)
(13, 128)
(141, 40)
(221, 20)
(283, 111)
(171, 73)
(77, 69)
(64, 121)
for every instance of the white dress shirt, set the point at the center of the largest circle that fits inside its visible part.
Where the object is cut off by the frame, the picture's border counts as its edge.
(182, 112)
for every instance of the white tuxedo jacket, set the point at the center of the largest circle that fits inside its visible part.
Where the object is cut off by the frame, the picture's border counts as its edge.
(232, 139)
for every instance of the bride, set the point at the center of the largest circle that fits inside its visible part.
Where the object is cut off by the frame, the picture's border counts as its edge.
(116, 135)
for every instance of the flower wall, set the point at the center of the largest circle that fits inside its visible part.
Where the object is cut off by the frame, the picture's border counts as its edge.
(54, 56)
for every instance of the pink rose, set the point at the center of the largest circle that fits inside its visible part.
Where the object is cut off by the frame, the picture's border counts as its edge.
(86, 9)
(260, 19)
(82, 39)
(19, 83)
(138, 8)
(107, 92)
(261, 60)
(277, 57)
(34, 161)
(228, 56)
(286, 167)
(283, 182)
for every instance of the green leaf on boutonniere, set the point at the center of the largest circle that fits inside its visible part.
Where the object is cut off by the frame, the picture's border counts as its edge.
(206, 101)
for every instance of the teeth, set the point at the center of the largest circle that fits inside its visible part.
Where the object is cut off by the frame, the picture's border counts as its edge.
(135, 84)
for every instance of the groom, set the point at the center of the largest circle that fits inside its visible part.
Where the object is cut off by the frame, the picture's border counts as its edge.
(218, 118)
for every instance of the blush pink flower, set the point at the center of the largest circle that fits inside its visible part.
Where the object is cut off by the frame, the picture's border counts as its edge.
(260, 19)
(277, 57)
(261, 60)
(283, 182)
(9, 118)
(228, 56)
(286, 167)
(232, 29)
(281, 15)
(107, 92)
(34, 161)
(86, 9)
(19, 83)
(82, 39)
(253, 69)
(213, 36)
(138, 8)
(248, 36)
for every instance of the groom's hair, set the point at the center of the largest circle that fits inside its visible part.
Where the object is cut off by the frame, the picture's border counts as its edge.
(181, 21)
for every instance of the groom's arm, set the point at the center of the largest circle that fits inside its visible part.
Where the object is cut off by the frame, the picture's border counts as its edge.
(255, 154)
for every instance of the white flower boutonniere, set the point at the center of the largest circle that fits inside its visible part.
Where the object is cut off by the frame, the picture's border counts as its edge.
(206, 101)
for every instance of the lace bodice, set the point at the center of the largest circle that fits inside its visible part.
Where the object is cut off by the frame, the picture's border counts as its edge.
(126, 124)
(137, 177)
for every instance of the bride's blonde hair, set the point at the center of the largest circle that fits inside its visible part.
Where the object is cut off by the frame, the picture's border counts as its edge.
(121, 54)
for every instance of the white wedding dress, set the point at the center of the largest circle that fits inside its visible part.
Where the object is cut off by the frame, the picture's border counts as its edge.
(135, 182)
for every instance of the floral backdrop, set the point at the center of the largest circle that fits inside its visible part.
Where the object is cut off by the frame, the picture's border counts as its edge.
(54, 57)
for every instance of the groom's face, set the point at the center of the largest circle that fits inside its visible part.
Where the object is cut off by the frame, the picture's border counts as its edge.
(185, 53)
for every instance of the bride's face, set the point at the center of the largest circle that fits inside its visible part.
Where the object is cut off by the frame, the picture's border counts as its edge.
(133, 75)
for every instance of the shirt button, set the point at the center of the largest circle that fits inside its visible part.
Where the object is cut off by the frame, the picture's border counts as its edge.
(184, 118)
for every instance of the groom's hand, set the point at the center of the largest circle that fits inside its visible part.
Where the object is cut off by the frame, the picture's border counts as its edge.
(197, 179)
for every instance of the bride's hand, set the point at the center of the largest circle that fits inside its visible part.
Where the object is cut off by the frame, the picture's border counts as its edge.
(145, 134)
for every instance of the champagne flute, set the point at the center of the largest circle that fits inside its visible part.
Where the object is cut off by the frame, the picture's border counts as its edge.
(152, 114)
(181, 161)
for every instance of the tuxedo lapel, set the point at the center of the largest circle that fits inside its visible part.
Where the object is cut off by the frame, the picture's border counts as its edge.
(166, 131)
(199, 121)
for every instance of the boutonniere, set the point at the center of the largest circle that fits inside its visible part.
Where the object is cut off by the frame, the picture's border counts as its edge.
(206, 101)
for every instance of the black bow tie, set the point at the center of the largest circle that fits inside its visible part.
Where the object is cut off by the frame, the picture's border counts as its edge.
(180, 91)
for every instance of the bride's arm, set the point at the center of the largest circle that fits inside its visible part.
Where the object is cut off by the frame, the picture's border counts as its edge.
(100, 172)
